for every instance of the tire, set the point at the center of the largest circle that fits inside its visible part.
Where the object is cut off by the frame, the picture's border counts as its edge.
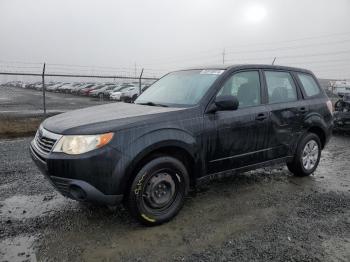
(307, 156)
(158, 191)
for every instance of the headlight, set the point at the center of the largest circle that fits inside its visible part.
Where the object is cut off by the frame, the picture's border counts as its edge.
(74, 145)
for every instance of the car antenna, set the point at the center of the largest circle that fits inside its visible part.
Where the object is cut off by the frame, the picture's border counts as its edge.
(273, 62)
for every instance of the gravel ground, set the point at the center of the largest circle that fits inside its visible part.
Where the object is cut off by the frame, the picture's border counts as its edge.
(264, 215)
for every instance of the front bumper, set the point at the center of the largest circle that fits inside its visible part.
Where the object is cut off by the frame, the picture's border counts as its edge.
(89, 178)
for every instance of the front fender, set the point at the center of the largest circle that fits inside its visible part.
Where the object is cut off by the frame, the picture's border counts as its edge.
(143, 145)
(162, 137)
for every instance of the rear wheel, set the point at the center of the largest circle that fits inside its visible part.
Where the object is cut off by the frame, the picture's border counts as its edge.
(307, 156)
(158, 191)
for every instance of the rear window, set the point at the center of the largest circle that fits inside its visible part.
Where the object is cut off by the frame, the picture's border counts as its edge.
(309, 84)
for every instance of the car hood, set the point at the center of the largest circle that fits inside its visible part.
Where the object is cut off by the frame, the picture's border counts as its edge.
(104, 118)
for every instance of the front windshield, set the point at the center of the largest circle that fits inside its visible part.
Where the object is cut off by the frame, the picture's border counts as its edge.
(181, 88)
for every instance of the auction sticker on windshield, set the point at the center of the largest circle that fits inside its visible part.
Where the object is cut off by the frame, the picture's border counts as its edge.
(211, 72)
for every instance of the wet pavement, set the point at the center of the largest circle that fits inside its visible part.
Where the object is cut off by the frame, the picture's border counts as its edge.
(28, 101)
(21, 110)
(262, 215)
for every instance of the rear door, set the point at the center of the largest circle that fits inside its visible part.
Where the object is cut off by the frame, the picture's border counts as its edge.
(286, 112)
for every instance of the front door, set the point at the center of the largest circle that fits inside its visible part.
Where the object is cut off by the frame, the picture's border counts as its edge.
(237, 138)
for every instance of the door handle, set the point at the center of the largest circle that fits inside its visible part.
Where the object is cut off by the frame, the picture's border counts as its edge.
(261, 116)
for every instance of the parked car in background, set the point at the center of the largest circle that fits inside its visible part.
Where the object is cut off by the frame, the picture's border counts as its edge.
(107, 93)
(38, 86)
(188, 127)
(129, 95)
(55, 86)
(76, 89)
(85, 91)
(68, 87)
(32, 85)
(342, 114)
(22, 84)
(61, 87)
(84, 88)
(99, 92)
(15, 84)
(116, 94)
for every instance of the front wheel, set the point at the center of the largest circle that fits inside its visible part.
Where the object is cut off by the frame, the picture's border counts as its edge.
(307, 156)
(158, 191)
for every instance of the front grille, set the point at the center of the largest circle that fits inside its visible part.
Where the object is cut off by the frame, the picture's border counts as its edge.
(37, 155)
(45, 140)
(44, 143)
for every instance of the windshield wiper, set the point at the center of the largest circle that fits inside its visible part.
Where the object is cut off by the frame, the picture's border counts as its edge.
(152, 104)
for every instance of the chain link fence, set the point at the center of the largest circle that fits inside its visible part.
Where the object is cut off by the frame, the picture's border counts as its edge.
(26, 99)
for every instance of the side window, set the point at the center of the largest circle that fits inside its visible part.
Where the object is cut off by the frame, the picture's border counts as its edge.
(309, 84)
(245, 86)
(280, 87)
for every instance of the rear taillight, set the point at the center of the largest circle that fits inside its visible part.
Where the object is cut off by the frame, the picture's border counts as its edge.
(330, 106)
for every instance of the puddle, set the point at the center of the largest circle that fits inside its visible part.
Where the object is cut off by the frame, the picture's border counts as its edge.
(337, 249)
(332, 172)
(20, 248)
(24, 207)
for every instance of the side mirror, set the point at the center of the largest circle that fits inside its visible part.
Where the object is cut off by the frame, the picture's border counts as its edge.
(226, 102)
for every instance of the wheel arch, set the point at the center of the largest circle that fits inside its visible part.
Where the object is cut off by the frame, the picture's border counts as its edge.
(171, 141)
(317, 125)
(320, 133)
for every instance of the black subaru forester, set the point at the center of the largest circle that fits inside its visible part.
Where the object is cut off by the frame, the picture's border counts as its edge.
(189, 126)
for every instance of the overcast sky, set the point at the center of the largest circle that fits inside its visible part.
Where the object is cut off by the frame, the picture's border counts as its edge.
(161, 35)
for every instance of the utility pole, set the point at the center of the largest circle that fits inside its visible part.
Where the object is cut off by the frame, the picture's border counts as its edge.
(140, 79)
(43, 89)
(135, 70)
(223, 56)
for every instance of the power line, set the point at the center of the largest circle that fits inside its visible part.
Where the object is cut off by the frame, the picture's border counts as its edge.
(211, 58)
(21, 62)
(295, 56)
(58, 65)
(320, 61)
(11, 66)
(269, 43)
(289, 47)
(216, 49)
(296, 39)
